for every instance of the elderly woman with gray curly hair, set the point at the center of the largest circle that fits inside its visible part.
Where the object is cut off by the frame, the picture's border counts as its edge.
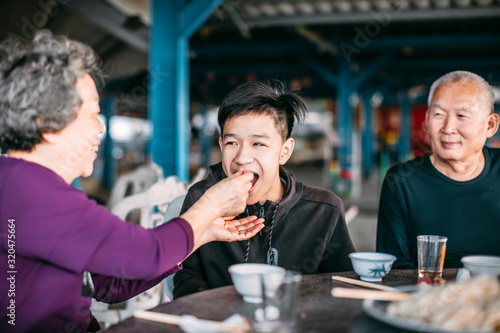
(52, 234)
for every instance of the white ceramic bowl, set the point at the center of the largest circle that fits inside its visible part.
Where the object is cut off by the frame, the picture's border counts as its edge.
(482, 265)
(246, 279)
(372, 266)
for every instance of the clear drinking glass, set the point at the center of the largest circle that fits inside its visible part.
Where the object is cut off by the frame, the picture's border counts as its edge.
(431, 253)
(278, 310)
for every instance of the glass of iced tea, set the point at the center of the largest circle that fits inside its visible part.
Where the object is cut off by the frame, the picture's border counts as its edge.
(431, 253)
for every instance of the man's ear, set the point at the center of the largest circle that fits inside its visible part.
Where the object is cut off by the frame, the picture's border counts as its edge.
(492, 125)
(220, 143)
(286, 150)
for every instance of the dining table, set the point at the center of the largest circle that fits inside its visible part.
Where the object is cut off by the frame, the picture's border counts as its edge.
(318, 310)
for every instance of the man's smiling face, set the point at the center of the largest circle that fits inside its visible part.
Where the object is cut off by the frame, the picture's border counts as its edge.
(457, 122)
(252, 142)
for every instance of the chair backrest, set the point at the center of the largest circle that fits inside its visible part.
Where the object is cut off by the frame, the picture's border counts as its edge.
(200, 174)
(173, 210)
(134, 182)
(153, 202)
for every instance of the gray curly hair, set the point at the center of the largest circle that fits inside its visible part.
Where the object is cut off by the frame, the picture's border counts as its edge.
(37, 87)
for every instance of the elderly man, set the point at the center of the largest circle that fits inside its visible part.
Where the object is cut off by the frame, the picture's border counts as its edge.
(455, 190)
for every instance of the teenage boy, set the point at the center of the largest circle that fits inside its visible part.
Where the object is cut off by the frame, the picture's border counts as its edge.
(305, 226)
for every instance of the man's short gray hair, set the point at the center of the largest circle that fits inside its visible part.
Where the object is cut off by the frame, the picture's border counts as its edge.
(38, 87)
(456, 76)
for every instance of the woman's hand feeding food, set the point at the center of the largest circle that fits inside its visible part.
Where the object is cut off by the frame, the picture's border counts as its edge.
(225, 199)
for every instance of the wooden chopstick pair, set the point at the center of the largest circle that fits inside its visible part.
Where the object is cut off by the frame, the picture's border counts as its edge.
(363, 283)
(383, 293)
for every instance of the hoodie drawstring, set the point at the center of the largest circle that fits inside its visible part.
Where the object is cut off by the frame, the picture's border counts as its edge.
(269, 252)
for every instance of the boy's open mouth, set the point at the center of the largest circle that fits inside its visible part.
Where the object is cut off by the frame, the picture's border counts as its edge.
(254, 181)
(255, 178)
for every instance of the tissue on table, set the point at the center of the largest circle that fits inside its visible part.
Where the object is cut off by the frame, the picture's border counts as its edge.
(191, 324)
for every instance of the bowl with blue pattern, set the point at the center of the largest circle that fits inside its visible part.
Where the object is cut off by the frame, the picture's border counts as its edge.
(372, 266)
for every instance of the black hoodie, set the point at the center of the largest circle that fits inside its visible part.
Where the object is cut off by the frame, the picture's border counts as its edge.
(309, 235)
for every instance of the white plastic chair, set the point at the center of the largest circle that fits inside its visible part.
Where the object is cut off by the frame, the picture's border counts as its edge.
(173, 211)
(200, 174)
(134, 182)
(152, 204)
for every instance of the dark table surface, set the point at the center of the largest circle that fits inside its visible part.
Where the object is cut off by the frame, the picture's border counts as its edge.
(319, 311)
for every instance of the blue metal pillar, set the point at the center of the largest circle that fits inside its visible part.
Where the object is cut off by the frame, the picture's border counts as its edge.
(344, 173)
(368, 139)
(173, 23)
(404, 143)
(344, 129)
(110, 169)
(163, 78)
(356, 82)
(205, 138)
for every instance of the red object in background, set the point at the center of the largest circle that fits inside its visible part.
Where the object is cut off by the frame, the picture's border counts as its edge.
(390, 127)
(391, 118)
(420, 143)
(346, 174)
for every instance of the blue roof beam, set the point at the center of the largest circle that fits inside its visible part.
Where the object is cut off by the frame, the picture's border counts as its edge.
(194, 15)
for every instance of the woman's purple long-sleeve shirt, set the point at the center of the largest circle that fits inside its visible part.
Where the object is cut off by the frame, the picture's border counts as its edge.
(52, 233)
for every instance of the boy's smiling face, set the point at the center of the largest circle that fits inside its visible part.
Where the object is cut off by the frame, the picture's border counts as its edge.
(252, 142)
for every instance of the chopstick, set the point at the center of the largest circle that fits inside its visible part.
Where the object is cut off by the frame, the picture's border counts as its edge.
(363, 283)
(370, 294)
(175, 320)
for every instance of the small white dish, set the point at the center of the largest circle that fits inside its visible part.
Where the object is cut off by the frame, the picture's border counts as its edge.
(372, 266)
(247, 279)
(482, 265)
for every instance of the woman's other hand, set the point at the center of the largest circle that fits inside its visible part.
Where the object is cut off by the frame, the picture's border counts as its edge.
(229, 230)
